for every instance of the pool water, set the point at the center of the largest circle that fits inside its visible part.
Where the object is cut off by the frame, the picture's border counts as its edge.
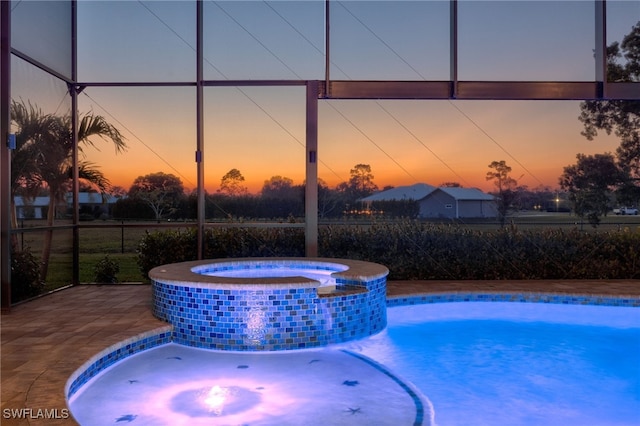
(321, 275)
(556, 365)
(484, 363)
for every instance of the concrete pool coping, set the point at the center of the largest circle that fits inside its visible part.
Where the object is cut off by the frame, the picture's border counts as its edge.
(195, 272)
(45, 340)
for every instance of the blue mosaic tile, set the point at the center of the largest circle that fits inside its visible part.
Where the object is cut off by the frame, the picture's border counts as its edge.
(251, 319)
(518, 297)
(114, 354)
(420, 408)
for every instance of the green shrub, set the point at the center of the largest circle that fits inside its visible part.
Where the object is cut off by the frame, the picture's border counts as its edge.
(25, 276)
(418, 250)
(106, 271)
(162, 247)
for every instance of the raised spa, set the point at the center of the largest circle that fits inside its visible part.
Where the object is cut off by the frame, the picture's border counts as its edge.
(268, 304)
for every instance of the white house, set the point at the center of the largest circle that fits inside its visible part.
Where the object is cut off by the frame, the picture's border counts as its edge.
(443, 202)
(36, 208)
(31, 208)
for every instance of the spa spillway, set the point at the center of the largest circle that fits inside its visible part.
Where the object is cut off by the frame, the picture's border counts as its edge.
(269, 304)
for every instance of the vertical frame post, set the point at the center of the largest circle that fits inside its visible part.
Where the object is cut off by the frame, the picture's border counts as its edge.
(311, 187)
(73, 91)
(5, 165)
(327, 48)
(453, 48)
(200, 129)
(601, 47)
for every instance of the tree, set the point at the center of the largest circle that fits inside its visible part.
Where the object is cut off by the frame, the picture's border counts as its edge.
(329, 201)
(131, 208)
(44, 157)
(32, 126)
(232, 184)
(450, 185)
(589, 183)
(622, 117)
(280, 198)
(361, 182)
(538, 198)
(505, 185)
(118, 191)
(278, 187)
(162, 192)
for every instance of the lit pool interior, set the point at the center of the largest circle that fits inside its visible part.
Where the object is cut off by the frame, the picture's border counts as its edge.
(505, 363)
(323, 276)
(455, 363)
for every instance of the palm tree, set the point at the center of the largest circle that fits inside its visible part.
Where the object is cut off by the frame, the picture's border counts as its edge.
(32, 127)
(46, 158)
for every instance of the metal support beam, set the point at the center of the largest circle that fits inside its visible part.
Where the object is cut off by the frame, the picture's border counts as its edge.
(311, 185)
(601, 47)
(74, 91)
(5, 165)
(327, 48)
(389, 89)
(481, 90)
(200, 129)
(453, 48)
(529, 90)
(622, 90)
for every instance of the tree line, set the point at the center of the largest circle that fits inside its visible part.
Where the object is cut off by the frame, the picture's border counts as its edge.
(162, 196)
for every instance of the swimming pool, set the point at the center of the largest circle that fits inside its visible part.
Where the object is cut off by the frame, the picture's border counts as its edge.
(517, 363)
(489, 363)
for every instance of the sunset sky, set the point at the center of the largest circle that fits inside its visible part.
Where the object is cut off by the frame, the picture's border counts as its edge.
(261, 131)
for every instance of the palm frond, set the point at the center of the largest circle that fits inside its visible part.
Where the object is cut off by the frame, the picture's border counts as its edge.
(96, 125)
(90, 173)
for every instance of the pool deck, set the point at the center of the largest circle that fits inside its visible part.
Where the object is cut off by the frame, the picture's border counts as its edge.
(45, 340)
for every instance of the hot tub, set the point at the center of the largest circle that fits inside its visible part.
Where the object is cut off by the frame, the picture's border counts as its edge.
(268, 304)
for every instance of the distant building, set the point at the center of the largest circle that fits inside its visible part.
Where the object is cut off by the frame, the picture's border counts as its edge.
(92, 203)
(400, 193)
(443, 202)
(31, 208)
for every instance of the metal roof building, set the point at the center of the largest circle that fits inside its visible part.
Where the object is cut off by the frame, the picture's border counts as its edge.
(443, 202)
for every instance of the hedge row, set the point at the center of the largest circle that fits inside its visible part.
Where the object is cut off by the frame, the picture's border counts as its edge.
(414, 250)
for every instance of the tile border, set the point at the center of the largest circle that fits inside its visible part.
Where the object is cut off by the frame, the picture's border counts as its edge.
(114, 353)
(522, 297)
(421, 410)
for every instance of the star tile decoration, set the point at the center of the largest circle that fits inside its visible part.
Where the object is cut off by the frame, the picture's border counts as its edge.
(126, 418)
